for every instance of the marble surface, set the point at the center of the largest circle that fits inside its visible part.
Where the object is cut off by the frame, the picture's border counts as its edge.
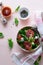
(10, 30)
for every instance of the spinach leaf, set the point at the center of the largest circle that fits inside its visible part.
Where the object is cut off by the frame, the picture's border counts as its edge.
(16, 21)
(22, 31)
(1, 35)
(17, 8)
(25, 37)
(31, 39)
(36, 63)
(22, 45)
(34, 46)
(10, 43)
(20, 41)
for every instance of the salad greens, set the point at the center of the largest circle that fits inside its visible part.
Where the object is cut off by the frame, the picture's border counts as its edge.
(22, 32)
(1, 35)
(31, 41)
(24, 36)
(17, 8)
(10, 43)
(34, 46)
(16, 21)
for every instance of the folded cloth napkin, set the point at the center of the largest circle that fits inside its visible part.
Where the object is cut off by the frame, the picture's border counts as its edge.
(21, 59)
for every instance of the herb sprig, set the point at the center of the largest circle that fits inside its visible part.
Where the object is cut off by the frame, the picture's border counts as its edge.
(17, 8)
(16, 21)
(37, 61)
(1, 35)
(10, 43)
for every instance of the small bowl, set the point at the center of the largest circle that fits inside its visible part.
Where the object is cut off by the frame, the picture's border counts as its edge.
(32, 49)
(6, 12)
(23, 13)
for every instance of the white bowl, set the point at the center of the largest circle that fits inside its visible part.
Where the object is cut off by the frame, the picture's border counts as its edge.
(25, 18)
(32, 49)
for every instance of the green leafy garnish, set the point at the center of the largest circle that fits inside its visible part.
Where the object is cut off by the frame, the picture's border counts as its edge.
(37, 61)
(33, 45)
(22, 32)
(31, 39)
(25, 37)
(1, 35)
(17, 8)
(10, 43)
(39, 58)
(16, 21)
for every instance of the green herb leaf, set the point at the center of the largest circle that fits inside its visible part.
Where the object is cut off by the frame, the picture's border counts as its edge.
(1, 35)
(25, 37)
(34, 45)
(16, 21)
(17, 9)
(39, 58)
(31, 39)
(10, 42)
(36, 63)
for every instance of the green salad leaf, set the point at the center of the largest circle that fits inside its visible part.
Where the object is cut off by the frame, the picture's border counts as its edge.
(22, 32)
(25, 37)
(1, 35)
(33, 45)
(16, 21)
(31, 39)
(17, 8)
(10, 43)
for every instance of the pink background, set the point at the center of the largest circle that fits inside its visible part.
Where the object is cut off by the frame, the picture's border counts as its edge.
(10, 31)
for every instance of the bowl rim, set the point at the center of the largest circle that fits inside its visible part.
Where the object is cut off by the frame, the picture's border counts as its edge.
(25, 49)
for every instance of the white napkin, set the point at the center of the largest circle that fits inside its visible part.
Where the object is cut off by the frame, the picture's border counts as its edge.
(21, 60)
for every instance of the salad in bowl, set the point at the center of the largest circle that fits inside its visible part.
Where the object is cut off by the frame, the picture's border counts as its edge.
(28, 38)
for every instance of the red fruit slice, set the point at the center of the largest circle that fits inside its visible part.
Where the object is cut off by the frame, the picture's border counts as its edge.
(19, 37)
(27, 45)
(29, 33)
(36, 41)
(42, 39)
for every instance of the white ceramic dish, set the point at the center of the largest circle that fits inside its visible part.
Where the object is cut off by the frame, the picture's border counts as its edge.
(32, 49)
(25, 18)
